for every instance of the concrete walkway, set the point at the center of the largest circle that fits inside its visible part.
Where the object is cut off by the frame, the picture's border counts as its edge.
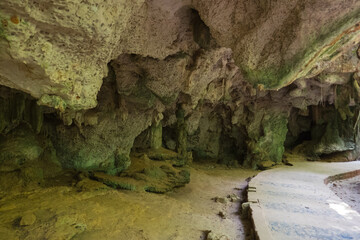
(293, 202)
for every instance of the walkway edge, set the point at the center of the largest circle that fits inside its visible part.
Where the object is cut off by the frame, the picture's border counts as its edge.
(259, 202)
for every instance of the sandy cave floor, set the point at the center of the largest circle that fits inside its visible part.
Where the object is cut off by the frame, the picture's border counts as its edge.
(67, 212)
(349, 191)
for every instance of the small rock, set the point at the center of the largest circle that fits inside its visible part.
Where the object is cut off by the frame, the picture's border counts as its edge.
(170, 144)
(245, 210)
(222, 215)
(82, 175)
(233, 198)
(221, 200)
(80, 226)
(213, 236)
(287, 163)
(266, 164)
(28, 219)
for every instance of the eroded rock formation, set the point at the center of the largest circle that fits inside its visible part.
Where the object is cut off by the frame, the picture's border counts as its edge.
(236, 81)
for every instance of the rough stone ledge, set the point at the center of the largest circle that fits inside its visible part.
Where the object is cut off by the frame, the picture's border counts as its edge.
(342, 176)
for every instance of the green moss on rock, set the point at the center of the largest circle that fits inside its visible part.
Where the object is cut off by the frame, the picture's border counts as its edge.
(122, 162)
(270, 146)
(2, 32)
(18, 148)
(332, 134)
(268, 78)
(3, 24)
(53, 101)
(276, 76)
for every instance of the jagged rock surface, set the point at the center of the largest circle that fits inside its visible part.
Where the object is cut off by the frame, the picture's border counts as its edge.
(109, 73)
(63, 47)
(277, 42)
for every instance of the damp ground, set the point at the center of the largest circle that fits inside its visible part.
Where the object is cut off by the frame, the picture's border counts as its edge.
(66, 210)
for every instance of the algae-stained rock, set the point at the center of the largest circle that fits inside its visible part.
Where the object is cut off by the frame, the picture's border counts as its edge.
(332, 134)
(27, 220)
(156, 135)
(132, 98)
(205, 142)
(332, 78)
(331, 141)
(106, 145)
(268, 144)
(60, 50)
(181, 134)
(19, 147)
(146, 175)
(213, 66)
(142, 79)
(342, 101)
(103, 147)
(205, 56)
(162, 154)
(140, 76)
(277, 42)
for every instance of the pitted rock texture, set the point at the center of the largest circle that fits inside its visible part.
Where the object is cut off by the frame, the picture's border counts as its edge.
(236, 81)
(58, 51)
(277, 42)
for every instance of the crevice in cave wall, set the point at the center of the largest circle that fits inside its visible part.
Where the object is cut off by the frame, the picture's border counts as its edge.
(201, 32)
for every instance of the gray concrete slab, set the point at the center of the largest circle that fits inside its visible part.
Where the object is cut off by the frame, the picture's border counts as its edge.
(293, 203)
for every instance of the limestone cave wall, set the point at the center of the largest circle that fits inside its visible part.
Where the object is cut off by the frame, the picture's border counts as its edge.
(87, 83)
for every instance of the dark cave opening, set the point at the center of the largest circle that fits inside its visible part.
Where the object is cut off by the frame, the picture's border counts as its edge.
(201, 32)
